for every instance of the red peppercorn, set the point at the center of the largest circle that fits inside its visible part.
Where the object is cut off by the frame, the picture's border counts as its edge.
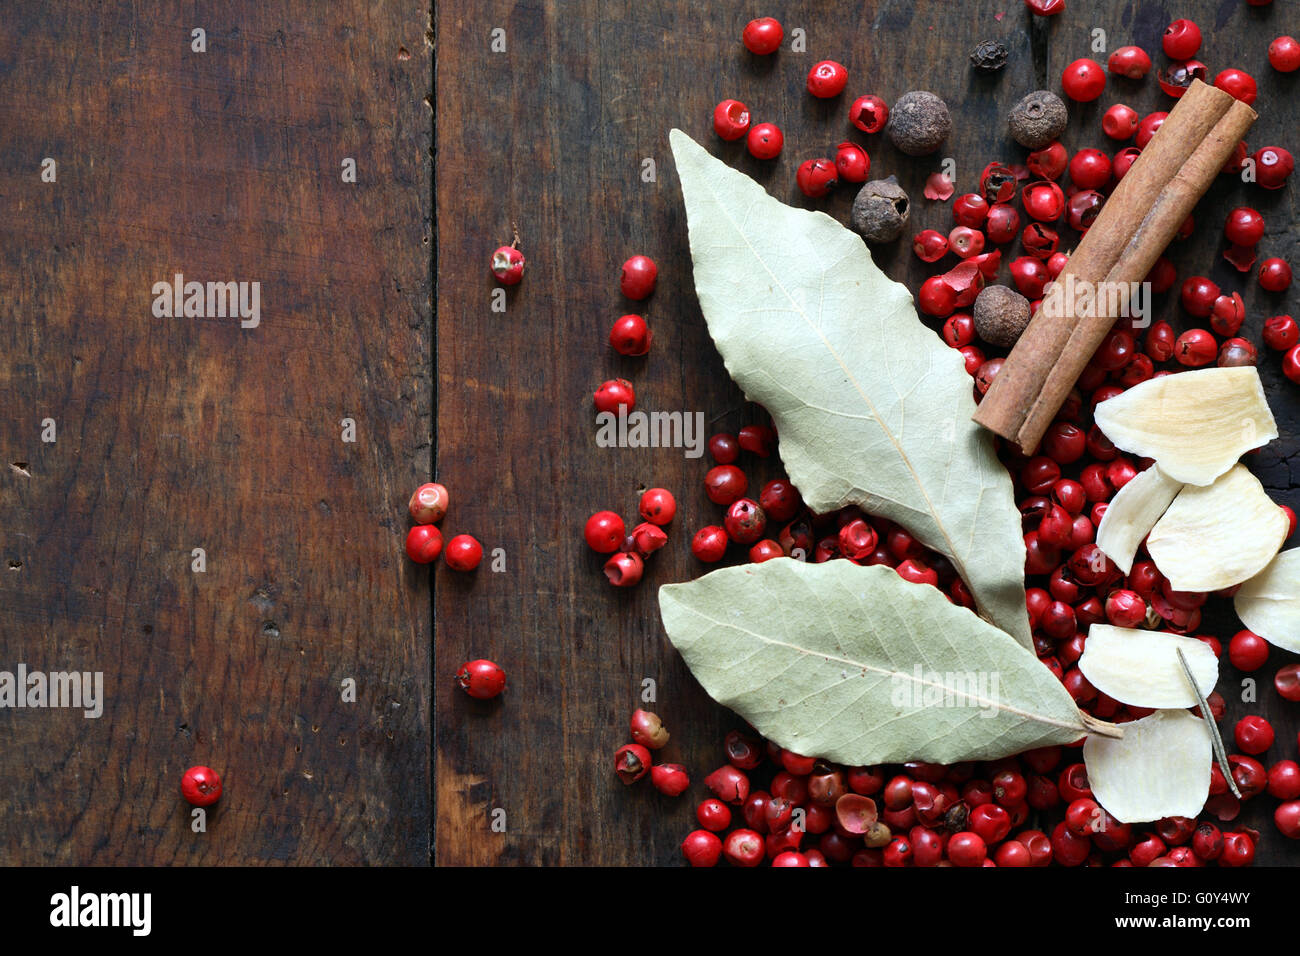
(624, 569)
(713, 815)
(702, 848)
(1253, 734)
(1207, 842)
(709, 544)
(967, 849)
(852, 163)
(508, 265)
(966, 242)
(1120, 122)
(869, 113)
(1040, 241)
(1228, 315)
(745, 521)
(615, 397)
(1274, 275)
(1044, 201)
(816, 177)
(1247, 651)
(1147, 128)
(827, 79)
(1284, 780)
(724, 448)
(998, 183)
(1030, 276)
(765, 141)
(631, 763)
(731, 119)
(1049, 162)
(1244, 226)
(1175, 78)
(959, 329)
(728, 784)
(670, 779)
(1238, 850)
(428, 504)
(1291, 364)
(1069, 849)
(1090, 169)
(1003, 223)
(1130, 61)
(604, 532)
(970, 209)
(1195, 347)
(648, 730)
(1284, 54)
(930, 245)
(1287, 818)
(1083, 80)
(725, 484)
(1238, 84)
(1181, 40)
(758, 439)
(1083, 208)
(1045, 8)
(762, 36)
(1273, 165)
(630, 336)
(201, 786)
(1287, 682)
(936, 297)
(1248, 774)
(423, 544)
(1123, 160)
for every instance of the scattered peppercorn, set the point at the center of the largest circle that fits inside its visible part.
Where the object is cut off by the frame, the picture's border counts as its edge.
(919, 122)
(881, 210)
(1001, 314)
(990, 56)
(1038, 119)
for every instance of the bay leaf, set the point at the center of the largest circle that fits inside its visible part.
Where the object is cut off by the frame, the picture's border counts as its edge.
(871, 407)
(856, 665)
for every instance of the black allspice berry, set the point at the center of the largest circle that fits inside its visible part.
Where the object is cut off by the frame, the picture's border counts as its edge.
(880, 210)
(919, 122)
(989, 56)
(1000, 314)
(1037, 119)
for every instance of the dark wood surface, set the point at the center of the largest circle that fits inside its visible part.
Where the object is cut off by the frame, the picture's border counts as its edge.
(552, 135)
(174, 434)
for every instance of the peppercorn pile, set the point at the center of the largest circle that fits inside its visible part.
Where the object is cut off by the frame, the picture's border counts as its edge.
(794, 810)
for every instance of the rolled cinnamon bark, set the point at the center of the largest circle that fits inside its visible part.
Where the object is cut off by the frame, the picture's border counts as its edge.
(1136, 224)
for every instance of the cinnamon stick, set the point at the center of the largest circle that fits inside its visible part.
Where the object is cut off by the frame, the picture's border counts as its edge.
(1134, 227)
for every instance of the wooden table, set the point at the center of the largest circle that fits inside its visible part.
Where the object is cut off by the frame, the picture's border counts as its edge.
(175, 434)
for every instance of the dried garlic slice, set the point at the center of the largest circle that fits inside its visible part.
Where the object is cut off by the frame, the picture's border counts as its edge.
(1219, 535)
(1142, 668)
(1195, 424)
(1159, 768)
(1269, 603)
(1132, 513)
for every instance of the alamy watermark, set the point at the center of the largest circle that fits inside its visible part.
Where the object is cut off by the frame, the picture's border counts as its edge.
(929, 688)
(79, 690)
(212, 300)
(1128, 300)
(638, 429)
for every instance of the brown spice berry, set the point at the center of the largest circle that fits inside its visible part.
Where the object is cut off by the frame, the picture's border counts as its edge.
(1001, 314)
(989, 56)
(1037, 119)
(880, 212)
(919, 122)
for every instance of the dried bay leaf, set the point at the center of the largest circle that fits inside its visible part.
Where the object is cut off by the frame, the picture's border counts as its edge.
(1161, 768)
(872, 408)
(1269, 603)
(856, 665)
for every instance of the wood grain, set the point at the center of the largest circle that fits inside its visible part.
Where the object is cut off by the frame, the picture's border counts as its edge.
(174, 434)
(558, 127)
